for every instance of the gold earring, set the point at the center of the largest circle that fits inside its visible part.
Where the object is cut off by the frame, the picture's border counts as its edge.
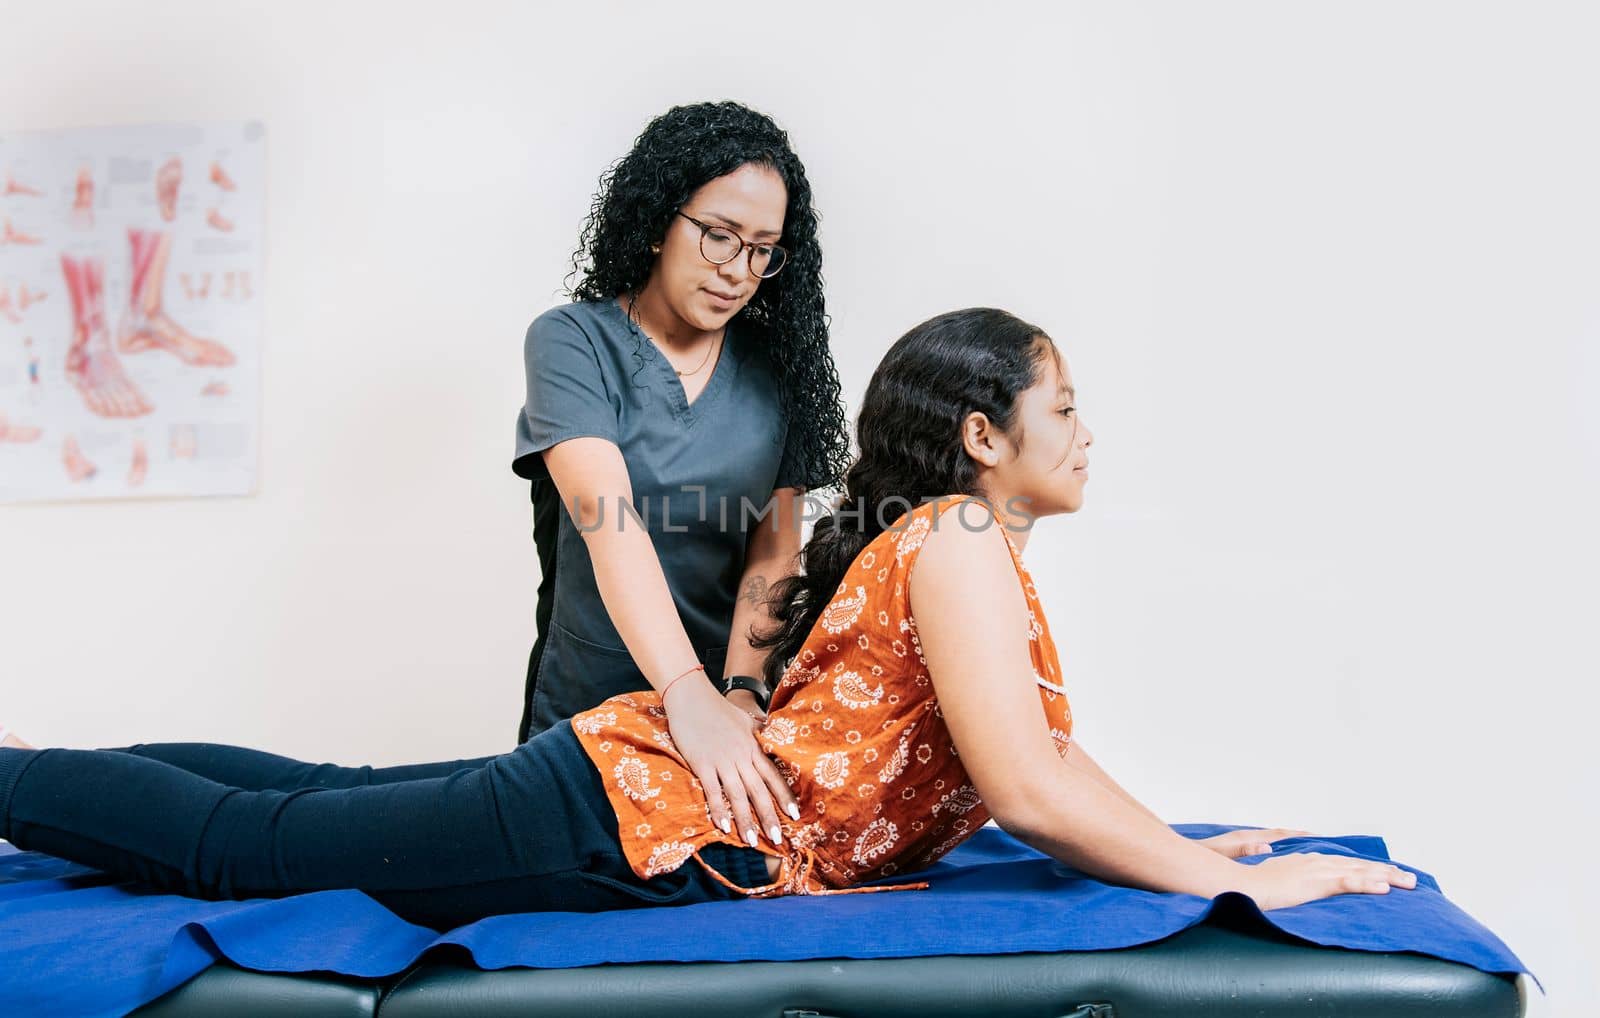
(655, 248)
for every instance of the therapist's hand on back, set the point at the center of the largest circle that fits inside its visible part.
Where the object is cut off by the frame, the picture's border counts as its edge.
(744, 789)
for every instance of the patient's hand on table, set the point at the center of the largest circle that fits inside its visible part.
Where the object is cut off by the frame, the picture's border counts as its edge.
(1298, 877)
(1237, 844)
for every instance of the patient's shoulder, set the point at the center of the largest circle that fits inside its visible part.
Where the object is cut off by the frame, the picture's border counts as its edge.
(965, 552)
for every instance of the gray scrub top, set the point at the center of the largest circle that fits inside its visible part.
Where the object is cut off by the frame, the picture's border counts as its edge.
(592, 372)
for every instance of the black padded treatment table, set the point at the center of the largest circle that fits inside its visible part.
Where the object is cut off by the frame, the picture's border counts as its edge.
(1225, 967)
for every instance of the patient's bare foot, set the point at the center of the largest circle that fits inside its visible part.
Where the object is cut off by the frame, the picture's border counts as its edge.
(167, 180)
(10, 741)
(220, 177)
(78, 468)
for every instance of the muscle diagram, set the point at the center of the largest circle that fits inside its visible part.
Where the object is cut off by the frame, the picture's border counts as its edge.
(145, 326)
(92, 367)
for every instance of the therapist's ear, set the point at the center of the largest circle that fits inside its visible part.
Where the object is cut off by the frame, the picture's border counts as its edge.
(978, 438)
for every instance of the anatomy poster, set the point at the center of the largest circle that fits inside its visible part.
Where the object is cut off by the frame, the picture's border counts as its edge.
(130, 311)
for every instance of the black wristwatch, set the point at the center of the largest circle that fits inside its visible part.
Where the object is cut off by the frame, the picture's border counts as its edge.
(755, 686)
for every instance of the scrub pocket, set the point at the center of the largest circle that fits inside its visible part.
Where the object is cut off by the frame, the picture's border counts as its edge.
(575, 674)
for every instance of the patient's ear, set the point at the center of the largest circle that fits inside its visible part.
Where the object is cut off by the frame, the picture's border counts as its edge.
(981, 439)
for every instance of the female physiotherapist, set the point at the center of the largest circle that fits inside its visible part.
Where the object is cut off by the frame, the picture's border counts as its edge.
(677, 409)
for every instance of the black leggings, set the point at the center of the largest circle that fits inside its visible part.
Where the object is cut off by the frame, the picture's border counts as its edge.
(441, 844)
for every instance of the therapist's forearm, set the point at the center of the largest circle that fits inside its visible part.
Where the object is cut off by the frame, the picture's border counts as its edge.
(771, 554)
(633, 588)
(750, 611)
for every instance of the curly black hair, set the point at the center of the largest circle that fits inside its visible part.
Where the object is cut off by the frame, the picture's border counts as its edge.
(909, 429)
(679, 152)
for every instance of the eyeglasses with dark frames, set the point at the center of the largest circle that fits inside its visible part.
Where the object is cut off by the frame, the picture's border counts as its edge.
(720, 245)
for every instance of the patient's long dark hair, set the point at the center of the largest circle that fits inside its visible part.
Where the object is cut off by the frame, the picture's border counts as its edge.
(909, 430)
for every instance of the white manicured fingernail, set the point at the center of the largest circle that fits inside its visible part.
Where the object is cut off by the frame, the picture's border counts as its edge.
(726, 825)
(794, 812)
(776, 834)
(753, 838)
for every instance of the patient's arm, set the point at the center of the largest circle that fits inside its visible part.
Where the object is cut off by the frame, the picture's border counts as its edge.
(1233, 844)
(972, 620)
(1079, 757)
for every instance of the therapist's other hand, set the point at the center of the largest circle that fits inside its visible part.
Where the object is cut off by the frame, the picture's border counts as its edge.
(744, 790)
(1237, 844)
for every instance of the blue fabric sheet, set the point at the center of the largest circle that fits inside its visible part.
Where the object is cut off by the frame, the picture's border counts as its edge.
(74, 943)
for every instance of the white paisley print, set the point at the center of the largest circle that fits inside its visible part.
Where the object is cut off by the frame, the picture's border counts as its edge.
(851, 690)
(842, 614)
(832, 769)
(877, 839)
(633, 777)
(668, 856)
(911, 539)
(593, 724)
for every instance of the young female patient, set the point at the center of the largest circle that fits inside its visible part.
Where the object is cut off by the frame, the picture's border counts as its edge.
(918, 694)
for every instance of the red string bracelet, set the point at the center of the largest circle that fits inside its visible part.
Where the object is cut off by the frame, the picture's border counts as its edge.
(696, 668)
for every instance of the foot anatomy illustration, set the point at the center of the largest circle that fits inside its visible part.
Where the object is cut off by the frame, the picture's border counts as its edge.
(17, 433)
(26, 298)
(145, 326)
(92, 368)
(83, 199)
(219, 222)
(78, 467)
(219, 177)
(167, 180)
(140, 464)
(11, 235)
(184, 443)
(14, 187)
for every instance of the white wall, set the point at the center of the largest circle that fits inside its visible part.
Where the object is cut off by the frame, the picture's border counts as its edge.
(1325, 274)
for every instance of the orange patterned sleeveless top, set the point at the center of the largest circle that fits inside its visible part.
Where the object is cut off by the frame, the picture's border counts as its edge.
(854, 727)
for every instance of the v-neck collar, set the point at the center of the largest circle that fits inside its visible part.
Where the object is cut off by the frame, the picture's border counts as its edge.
(676, 394)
